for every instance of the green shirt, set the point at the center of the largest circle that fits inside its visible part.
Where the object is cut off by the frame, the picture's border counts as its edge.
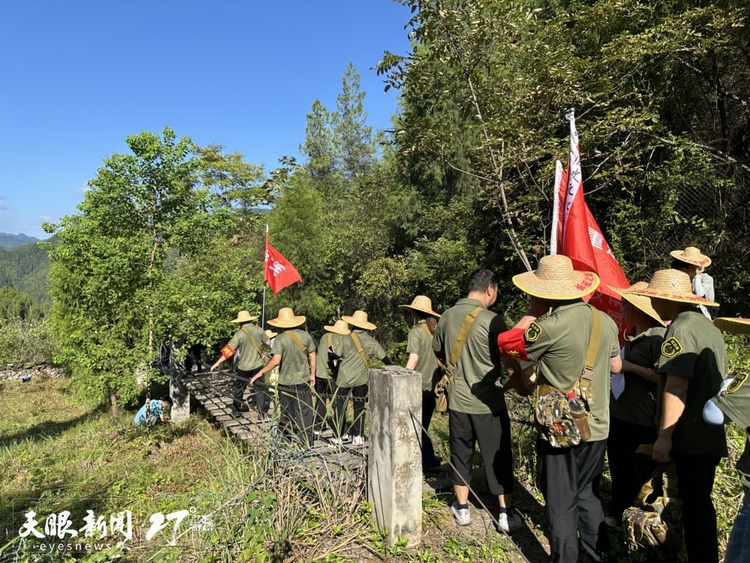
(352, 371)
(420, 343)
(734, 401)
(637, 404)
(295, 366)
(476, 388)
(694, 348)
(334, 340)
(559, 343)
(248, 356)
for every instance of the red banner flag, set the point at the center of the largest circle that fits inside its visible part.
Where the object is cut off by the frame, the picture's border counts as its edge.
(581, 239)
(279, 272)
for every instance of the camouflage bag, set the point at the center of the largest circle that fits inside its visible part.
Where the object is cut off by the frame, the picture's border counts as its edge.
(653, 524)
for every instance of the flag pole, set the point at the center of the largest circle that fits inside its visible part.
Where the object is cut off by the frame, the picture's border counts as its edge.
(265, 257)
(555, 208)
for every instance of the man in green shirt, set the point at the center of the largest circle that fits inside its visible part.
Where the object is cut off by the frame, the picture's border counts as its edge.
(358, 350)
(559, 345)
(476, 400)
(329, 356)
(294, 352)
(423, 360)
(246, 345)
(692, 365)
(732, 403)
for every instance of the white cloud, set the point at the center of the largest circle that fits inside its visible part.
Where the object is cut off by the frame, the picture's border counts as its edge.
(82, 189)
(3, 207)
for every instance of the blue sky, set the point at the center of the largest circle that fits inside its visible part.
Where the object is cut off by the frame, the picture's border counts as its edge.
(79, 76)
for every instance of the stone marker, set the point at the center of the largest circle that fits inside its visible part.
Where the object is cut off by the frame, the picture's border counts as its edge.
(394, 470)
(180, 399)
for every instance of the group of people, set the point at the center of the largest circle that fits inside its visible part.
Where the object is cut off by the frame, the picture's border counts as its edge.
(592, 395)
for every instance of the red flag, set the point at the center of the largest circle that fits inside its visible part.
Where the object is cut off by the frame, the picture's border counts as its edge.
(279, 272)
(582, 241)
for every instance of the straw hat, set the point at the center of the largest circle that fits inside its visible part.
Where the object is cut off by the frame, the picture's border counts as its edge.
(359, 319)
(555, 278)
(271, 334)
(244, 317)
(639, 301)
(693, 256)
(421, 304)
(287, 319)
(673, 285)
(339, 327)
(735, 325)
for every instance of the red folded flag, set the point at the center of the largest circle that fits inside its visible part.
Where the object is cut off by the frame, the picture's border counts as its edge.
(279, 272)
(581, 239)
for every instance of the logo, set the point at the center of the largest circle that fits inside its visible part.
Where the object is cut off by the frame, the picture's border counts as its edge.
(671, 347)
(532, 333)
(737, 383)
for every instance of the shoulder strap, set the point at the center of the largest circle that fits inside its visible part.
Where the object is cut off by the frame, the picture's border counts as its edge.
(459, 344)
(298, 342)
(427, 330)
(361, 350)
(255, 344)
(588, 367)
(330, 340)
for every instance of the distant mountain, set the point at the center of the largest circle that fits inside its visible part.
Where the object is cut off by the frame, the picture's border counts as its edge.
(25, 268)
(14, 241)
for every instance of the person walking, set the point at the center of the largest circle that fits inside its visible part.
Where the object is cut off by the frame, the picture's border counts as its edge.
(246, 345)
(692, 365)
(694, 263)
(476, 403)
(294, 353)
(575, 348)
(423, 359)
(327, 370)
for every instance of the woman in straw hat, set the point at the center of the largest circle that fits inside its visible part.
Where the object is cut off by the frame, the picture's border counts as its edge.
(246, 344)
(633, 408)
(732, 403)
(559, 345)
(358, 350)
(294, 352)
(329, 349)
(692, 365)
(423, 360)
(694, 263)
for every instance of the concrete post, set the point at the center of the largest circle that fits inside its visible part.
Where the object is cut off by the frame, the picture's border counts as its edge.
(180, 398)
(394, 469)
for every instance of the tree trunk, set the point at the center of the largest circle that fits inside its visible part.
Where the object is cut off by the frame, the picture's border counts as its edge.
(113, 401)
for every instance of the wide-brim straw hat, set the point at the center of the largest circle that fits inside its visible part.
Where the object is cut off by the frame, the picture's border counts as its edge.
(673, 285)
(359, 319)
(422, 304)
(693, 256)
(555, 278)
(339, 327)
(639, 301)
(244, 317)
(271, 334)
(287, 319)
(735, 325)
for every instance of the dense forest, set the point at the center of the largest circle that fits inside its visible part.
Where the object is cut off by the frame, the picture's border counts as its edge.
(168, 242)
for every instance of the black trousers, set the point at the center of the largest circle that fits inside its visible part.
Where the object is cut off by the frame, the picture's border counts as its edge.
(323, 391)
(492, 432)
(627, 470)
(296, 404)
(429, 460)
(239, 386)
(695, 479)
(343, 394)
(565, 476)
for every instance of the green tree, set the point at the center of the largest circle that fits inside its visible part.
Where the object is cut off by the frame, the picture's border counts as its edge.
(108, 265)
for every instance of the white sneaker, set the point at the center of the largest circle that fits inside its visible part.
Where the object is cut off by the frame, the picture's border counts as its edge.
(462, 516)
(506, 524)
(340, 441)
(358, 441)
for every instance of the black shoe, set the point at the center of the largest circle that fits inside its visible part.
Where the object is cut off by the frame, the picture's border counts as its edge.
(241, 408)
